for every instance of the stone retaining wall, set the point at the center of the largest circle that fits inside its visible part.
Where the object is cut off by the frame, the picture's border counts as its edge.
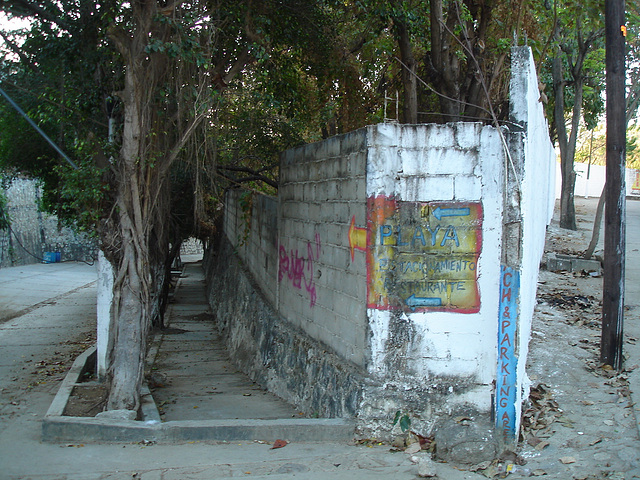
(33, 233)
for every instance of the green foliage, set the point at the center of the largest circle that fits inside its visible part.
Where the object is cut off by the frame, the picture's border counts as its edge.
(593, 150)
(58, 80)
(79, 198)
(575, 32)
(403, 420)
(593, 102)
(74, 195)
(316, 69)
(5, 219)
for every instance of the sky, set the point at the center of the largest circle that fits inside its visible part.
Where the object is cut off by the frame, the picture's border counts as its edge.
(11, 24)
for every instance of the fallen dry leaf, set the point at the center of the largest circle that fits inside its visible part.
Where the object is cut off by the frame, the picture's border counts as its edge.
(481, 466)
(463, 419)
(567, 460)
(279, 444)
(533, 441)
(542, 445)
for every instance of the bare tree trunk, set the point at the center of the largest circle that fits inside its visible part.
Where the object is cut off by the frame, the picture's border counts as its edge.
(137, 235)
(162, 284)
(567, 142)
(567, 205)
(445, 63)
(132, 326)
(597, 223)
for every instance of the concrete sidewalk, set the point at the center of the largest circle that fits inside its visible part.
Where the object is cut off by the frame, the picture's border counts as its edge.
(631, 348)
(194, 378)
(197, 394)
(26, 287)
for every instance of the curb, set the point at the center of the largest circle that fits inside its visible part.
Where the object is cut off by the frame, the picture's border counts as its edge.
(58, 428)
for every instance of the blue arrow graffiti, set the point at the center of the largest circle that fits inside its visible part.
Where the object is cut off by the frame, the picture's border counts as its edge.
(450, 212)
(413, 302)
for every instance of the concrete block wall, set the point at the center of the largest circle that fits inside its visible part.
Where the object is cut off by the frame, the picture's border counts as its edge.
(320, 287)
(37, 232)
(273, 352)
(534, 191)
(251, 225)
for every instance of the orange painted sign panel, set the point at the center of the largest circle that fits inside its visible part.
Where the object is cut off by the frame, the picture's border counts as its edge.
(635, 188)
(423, 256)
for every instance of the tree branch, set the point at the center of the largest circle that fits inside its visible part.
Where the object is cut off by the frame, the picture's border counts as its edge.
(233, 168)
(244, 58)
(175, 151)
(37, 10)
(18, 51)
(252, 178)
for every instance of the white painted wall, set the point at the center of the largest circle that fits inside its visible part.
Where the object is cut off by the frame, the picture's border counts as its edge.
(590, 180)
(447, 358)
(537, 202)
(454, 162)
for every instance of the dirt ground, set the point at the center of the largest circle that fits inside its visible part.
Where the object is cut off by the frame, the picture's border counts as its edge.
(578, 423)
(86, 401)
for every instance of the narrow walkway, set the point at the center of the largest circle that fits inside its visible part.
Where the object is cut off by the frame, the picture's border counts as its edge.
(193, 378)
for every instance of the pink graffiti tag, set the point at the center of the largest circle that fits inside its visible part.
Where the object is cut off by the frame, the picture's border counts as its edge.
(299, 270)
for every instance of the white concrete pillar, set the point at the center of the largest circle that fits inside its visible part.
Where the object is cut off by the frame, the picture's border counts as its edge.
(105, 296)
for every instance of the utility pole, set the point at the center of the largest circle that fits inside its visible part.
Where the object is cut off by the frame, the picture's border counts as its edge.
(614, 235)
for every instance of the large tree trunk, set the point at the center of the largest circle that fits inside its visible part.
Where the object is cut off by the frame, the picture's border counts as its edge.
(153, 137)
(445, 64)
(576, 56)
(409, 77)
(131, 287)
(132, 325)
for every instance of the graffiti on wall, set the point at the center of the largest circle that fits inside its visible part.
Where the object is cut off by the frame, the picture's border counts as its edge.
(423, 256)
(507, 360)
(298, 268)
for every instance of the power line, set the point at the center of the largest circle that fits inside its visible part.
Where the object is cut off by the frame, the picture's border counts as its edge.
(37, 128)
